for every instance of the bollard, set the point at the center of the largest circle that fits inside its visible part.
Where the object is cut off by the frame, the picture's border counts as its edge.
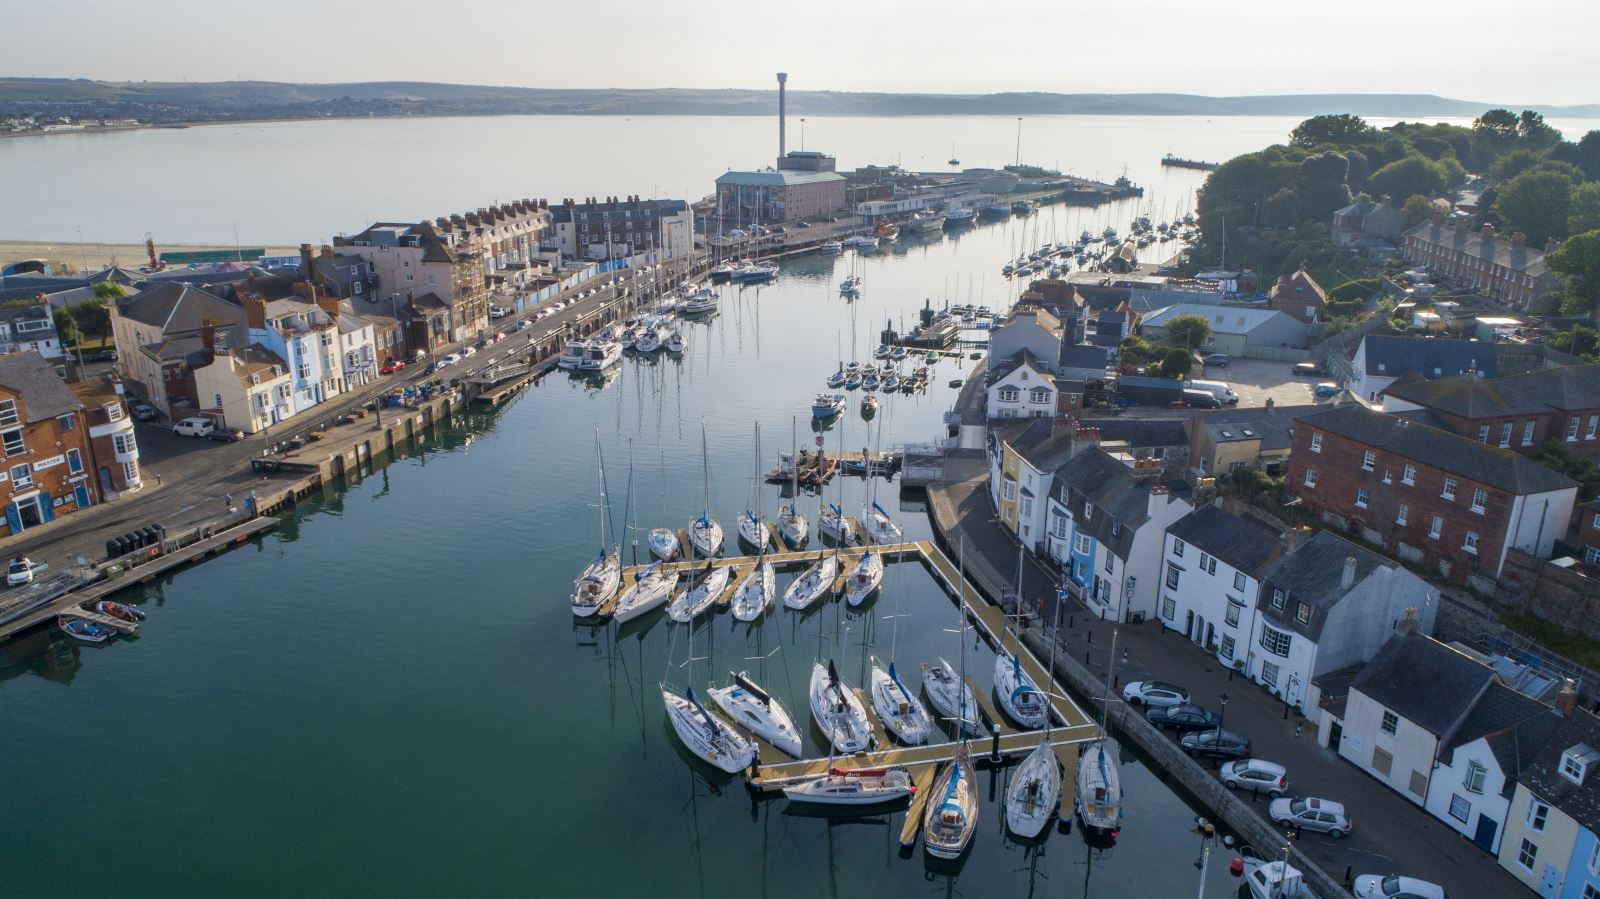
(1070, 619)
(1286, 711)
(994, 747)
(1116, 681)
(1090, 635)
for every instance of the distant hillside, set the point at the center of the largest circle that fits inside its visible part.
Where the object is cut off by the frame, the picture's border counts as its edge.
(226, 100)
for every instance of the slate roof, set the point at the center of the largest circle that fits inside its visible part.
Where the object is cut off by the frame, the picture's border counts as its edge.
(1223, 319)
(1568, 388)
(1514, 725)
(1274, 426)
(776, 179)
(563, 212)
(1040, 442)
(1081, 356)
(1500, 468)
(1543, 776)
(20, 312)
(1118, 497)
(1140, 432)
(1240, 542)
(1425, 682)
(1017, 360)
(1498, 249)
(1468, 396)
(1314, 574)
(1433, 357)
(175, 306)
(44, 394)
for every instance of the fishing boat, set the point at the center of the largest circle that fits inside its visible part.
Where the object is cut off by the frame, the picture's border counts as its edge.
(757, 711)
(119, 610)
(858, 786)
(951, 817)
(836, 526)
(84, 631)
(957, 215)
(827, 405)
(925, 222)
(650, 590)
(869, 405)
(754, 594)
(812, 584)
(573, 354)
(886, 231)
(793, 529)
(1276, 879)
(692, 601)
(865, 579)
(704, 735)
(705, 532)
(880, 527)
(899, 709)
(838, 710)
(1019, 698)
(600, 578)
(950, 697)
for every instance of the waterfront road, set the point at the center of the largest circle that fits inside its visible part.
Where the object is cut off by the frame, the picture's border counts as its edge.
(187, 481)
(1391, 834)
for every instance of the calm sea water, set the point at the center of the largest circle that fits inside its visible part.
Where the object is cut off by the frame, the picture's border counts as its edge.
(283, 183)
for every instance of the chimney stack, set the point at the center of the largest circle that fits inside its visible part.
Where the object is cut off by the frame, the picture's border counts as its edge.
(1567, 699)
(1407, 623)
(306, 270)
(255, 311)
(783, 78)
(208, 337)
(1348, 578)
(1487, 231)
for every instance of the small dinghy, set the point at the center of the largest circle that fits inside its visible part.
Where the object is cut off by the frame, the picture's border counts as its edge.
(651, 589)
(865, 580)
(691, 603)
(1035, 792)
(838, 710)
(812, 584)
(900, 711)
(950, 697)
(755, 592)
(84, 631)
(704, 735)
(755, 709)
(118, 610)
(861, 786)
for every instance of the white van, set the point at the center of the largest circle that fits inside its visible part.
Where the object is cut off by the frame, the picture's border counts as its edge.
(1218, 389)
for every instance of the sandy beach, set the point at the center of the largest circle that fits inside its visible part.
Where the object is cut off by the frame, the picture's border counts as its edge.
(95, 256)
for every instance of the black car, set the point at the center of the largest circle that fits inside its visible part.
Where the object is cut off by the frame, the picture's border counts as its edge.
(1308, 370)
(225, 435)
(1219, 743)
(1181, 717)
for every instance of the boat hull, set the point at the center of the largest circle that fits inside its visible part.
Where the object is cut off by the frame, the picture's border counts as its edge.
(1098, 798)
(646, 596)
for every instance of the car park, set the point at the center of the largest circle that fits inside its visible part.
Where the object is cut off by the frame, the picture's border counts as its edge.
(1308, 370)
(19, 571)
(1310, 813)
(194, 427)
(392, 366)
(1216, 742)
(143, 412)
(1395, 886)
(1255, 774)
(1217, 360)
(1154, 693)
(1326, 388)
(1181, 717)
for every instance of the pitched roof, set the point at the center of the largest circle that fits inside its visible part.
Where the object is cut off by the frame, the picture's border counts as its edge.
(1432, 357)
(1274, 427)
(1302, 280)
(44, 394)
(175, 307)
(1468, 396)
(1500, 468)
(1498, 250)
(1425, 682)
(1018, 359)
(1082, 356)
(1223, 319)
(1139, 431)
(1314, 574)
(1040, 442)
(1240, 542)
(773, 179)
(1568, 387)
(1514, 725)
(1118, 497)
(1543, 775)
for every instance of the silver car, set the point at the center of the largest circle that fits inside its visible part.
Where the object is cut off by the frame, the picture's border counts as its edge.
(1155, 694)
(1311, 814)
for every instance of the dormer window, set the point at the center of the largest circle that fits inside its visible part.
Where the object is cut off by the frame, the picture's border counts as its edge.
(1575, 762)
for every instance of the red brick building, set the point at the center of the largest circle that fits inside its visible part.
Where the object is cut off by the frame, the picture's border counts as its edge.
(112, 445)
(1504, 268)
(1299, 295)
(1450, 504)
(48, 468)
(1517, 412)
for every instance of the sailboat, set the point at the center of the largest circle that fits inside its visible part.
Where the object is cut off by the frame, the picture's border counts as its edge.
(880, 527)
(756, 710)
(705, 532)
(599, 580)
(664, 541)
(838, 710)
(1019, 697)
(693, 601)
(755, 592)
(1099, 783)
(651, 588)
(837, 526)
(865, 579)
(951, 817)
(813, 583)
(1034, 794)
(700, 731)
(752, 528)
(948, 690)
(854, 786)
(793, 528)
(898, 708)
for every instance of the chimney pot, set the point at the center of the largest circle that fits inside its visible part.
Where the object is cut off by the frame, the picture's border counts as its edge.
(1567, 699)
(1348, 578)
(1407, 623)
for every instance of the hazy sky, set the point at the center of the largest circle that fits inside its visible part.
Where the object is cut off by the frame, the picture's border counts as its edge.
(1537, 51)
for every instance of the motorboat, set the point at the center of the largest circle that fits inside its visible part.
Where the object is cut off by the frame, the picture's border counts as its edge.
(705, 534)
(700, 302)
(869, 405)
(1099, 788)
(793, 528)
(692, 601)
(880, 527)
(84, 631)
(831, 247)
(865, 579)
(956, 215)
(677, 343)
(925, 222)
(597, 583)
(812, 584)
(704, 735)
(950, 697)
(664, 544)
(573, 355)
(600, 355)
(836, 526)
(755, 593)
(857, 786)
(1274, 880)
(650, 590)
(1033, 797)
(856, 241)
(827, 405)
(1019, 698)
(901, 712)
(119, 610)
(838, 710)
(755, 710)
(951, 816)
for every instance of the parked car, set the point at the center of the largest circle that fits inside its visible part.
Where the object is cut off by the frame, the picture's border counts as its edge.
(1155, 693)
(498, 312)
(143, 412)
(1310, 813)
(1218, 360)
(1326, 388)
(779, 229)
(1395, 886)
(523, 325)
(1219, 743)
(1202, 399)
(1308, 370)
(1255, 774)
(1181, 717)
(802, 224)
(392, 366)
(468, 352)
(19, 571)
(449, 359)
(226, 435)
(194, 427)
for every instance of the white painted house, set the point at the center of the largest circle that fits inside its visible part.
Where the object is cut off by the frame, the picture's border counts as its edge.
(1211, 581)
(1022, 388)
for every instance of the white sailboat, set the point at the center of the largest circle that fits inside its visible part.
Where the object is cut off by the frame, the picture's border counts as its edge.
(758, 712)
(951, 816)
(865, 579)
(1034, 795)
(793, 528)
(812, 584)
(752, 527)
(677, 343)
(664, 541)
(946, 686)
(899, 709)
(700, 731)
(600, 578)
(1020, 698)
(1099, 782)
(838, 710)
(879, 526)
(838, 527)
(650, 590)
(705, 532)
(694, 600)
(854, 786)
(648, 339)
(755, 592)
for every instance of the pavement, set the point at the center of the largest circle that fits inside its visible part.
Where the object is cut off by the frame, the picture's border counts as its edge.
(1390, 835)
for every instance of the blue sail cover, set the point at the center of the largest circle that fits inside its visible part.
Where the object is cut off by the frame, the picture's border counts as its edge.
(641, 575)
(880, 510)
(948, 803)
(896, 678)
